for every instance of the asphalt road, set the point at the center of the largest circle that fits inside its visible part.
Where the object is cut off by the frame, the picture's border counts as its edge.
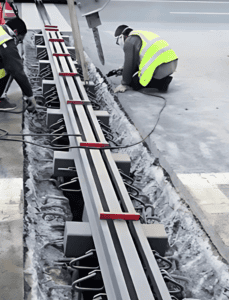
(167, 11)
(176, 12)
(192, 133)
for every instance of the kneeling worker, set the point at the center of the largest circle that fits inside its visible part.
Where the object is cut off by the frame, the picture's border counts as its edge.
(148, 60)
(11, 34)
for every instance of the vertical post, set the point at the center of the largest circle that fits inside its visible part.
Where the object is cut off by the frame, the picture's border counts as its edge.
(2, 21)
(77, 39)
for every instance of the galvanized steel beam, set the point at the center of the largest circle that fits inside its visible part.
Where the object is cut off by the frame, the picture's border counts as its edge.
(120, 246)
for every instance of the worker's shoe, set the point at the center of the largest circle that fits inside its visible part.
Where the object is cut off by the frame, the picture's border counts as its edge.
(5, 105)
(165, 84)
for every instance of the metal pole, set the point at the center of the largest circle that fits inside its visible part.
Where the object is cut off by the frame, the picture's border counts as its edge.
(77, 39)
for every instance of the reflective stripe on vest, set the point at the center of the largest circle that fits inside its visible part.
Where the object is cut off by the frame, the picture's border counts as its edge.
(153, 53)
(4, 37)
(2, 73)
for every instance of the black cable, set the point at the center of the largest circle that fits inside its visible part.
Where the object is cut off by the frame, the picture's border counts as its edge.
(82, 147)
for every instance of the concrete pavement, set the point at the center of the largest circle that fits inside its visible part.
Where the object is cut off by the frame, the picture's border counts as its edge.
(11, 205)
(191, 139)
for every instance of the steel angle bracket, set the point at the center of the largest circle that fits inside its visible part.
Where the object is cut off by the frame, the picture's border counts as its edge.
(88, 7)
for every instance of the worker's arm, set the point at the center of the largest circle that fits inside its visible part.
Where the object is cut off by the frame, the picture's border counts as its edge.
(14, 66)
(131, 49)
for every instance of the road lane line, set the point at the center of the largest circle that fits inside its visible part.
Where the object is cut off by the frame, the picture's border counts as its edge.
(213, 2)
(197, 13)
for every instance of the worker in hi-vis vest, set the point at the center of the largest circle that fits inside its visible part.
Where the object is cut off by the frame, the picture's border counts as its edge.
(11, 34)
(148, 60)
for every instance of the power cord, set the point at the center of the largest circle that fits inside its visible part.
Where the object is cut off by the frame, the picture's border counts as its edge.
(5, 134)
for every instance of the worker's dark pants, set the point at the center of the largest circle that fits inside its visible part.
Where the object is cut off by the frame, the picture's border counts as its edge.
(154, 83)
(3, 83)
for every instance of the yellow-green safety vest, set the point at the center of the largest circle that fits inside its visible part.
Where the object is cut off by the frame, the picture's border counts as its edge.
(4, 37)
(153, 53)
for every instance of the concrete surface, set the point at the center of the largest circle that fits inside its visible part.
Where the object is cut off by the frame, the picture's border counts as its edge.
(11, 205)
(191, 139)
(11, 162)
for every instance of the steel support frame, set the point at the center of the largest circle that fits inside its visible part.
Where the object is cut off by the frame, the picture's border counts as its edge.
(138, 276)
(153, 270)
(109, 262)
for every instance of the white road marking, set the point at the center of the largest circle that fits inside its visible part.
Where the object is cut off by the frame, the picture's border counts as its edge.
(204, 187)
(197, 13)
(10, 199)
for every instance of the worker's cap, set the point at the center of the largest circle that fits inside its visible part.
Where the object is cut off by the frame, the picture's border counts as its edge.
(122, 29)
(17, 25)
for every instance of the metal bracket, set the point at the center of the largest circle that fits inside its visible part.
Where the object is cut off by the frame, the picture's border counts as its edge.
(73, 180)
(41, 52)
(45, 70)
(63, 160)
(77, 239)
(96, 275)
(39, 39)
(91, 253)
(101, 296)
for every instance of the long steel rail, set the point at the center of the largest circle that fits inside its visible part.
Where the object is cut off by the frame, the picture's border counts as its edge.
(128, 266)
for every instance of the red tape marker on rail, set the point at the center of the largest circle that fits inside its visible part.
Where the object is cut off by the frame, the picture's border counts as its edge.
(96, 145)
(122, 216)
(56, 40)
(51, 26)
(78, 102)
(61, 54)
(67, 74)
(50, 29)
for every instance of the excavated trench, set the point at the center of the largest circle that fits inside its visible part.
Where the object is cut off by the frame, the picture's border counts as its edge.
(195, 262)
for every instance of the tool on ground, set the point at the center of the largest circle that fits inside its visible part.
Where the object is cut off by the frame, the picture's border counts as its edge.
(90, 9)
(117, 72)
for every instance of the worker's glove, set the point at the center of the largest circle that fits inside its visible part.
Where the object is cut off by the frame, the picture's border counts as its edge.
(121, 88)
(117, 72)
(30, 103)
